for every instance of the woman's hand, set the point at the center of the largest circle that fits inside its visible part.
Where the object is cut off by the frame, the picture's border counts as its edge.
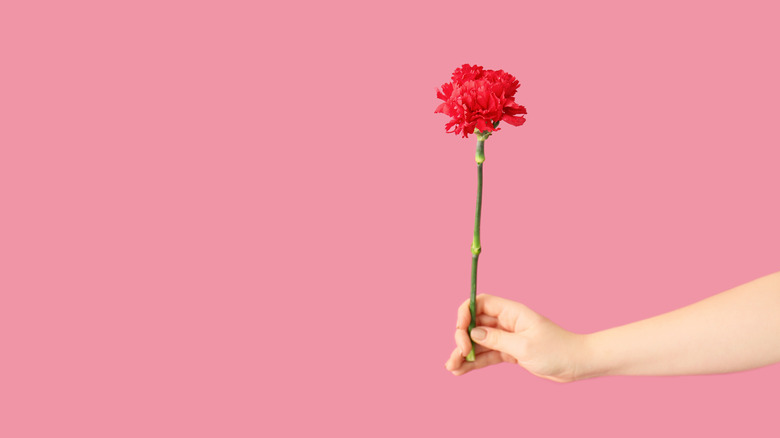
(508, 331)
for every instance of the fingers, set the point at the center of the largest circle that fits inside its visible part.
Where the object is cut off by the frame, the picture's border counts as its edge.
(456, 360)
(499, 320)
(481, 360)
(487, 320)
(464, 317)
(511, 315)
(497, 339)
(462, 341)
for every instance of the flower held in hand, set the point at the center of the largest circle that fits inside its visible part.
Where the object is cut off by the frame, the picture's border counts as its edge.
(478, 100)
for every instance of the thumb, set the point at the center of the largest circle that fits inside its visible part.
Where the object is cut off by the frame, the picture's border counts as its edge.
(492, 338)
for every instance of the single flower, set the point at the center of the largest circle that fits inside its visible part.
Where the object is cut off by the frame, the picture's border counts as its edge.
(478, 99)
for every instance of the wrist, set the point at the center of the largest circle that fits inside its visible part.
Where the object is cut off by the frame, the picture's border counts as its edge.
(590, 360)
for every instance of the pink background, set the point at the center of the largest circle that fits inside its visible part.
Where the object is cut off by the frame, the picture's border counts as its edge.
(237, 219)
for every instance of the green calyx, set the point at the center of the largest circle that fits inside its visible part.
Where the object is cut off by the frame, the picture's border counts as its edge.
(482, 136)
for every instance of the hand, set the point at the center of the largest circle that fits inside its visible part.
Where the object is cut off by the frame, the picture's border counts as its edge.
(508, 331)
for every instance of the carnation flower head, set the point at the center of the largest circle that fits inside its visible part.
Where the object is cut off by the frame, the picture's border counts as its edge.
(478, 99)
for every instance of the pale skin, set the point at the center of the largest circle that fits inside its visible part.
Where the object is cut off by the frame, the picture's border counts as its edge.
(735, 330)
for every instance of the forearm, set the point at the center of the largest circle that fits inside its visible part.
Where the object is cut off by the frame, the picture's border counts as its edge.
(735, 330)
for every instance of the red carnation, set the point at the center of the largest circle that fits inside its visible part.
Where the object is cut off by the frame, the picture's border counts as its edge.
(479, 99)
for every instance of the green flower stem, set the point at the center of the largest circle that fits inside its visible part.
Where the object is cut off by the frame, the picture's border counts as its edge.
(476, 245)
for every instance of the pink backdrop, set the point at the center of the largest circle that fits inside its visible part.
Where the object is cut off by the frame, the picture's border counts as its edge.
(236, 219)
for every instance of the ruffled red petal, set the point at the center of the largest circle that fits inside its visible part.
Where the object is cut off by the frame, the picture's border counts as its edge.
(512, 120)
(482, 126)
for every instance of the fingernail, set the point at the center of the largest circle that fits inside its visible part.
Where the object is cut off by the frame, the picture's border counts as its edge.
(478, 334)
